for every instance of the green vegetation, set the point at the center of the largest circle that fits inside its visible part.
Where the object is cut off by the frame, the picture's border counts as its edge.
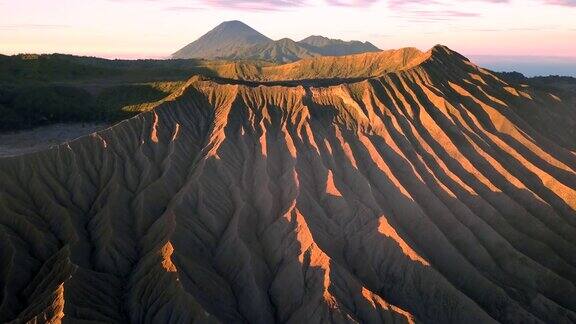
(30, 68)
(54, 88)
(40, 104)
(31, 106)
(45, 89)
(113, 101)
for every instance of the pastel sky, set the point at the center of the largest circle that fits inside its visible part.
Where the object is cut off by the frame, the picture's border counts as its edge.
(156, 28)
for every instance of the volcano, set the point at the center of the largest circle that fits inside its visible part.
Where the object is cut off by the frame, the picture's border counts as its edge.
(377, 188)
(234, 40)
(223, 40)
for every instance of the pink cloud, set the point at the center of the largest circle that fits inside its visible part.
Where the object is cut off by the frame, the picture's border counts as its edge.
(396, 4)
(273, 5)
(393, 4)
(568, 3)
(264, 5)
(351, 3)
(431, 10)
(444, 13)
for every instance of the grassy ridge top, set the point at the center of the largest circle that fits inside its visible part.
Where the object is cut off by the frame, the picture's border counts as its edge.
(32, 68)
(44, 89)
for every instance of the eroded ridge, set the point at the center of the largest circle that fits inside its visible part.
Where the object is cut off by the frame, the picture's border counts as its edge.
(423, 195)
(358, 66)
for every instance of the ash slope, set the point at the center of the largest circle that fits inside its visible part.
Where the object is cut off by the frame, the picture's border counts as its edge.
(427, 194)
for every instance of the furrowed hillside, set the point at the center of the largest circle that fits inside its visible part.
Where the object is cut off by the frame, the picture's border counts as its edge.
(425, 194)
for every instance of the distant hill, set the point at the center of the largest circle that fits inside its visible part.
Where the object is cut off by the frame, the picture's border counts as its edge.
(234, 40)
(224, 40)
(281, 51)
(337, 47)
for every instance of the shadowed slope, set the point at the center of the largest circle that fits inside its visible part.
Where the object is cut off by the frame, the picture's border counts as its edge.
(419, 195)
(281, 51)
(286, 50)
(337, 47)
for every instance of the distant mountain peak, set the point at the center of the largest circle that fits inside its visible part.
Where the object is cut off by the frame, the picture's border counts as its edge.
(223, 40)
(234, 24)
(236, 40)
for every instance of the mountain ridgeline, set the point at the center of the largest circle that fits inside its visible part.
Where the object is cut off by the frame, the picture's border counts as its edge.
(234, 40)
(429, 190)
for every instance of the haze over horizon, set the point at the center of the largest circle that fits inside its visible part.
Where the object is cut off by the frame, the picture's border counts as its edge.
(132, 29)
